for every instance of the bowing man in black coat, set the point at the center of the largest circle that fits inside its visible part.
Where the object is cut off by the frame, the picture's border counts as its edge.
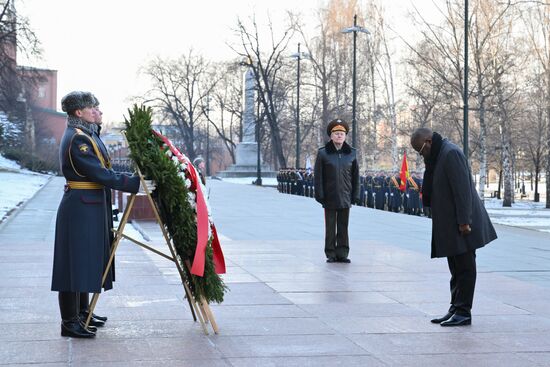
(82, 238)
(337, 188)
(460, 223)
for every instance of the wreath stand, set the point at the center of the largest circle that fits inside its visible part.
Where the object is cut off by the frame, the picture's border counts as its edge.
(198, 305)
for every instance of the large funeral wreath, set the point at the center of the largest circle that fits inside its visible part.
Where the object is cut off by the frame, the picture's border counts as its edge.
(182, 204)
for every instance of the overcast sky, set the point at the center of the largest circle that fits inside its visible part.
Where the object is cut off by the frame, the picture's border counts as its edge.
(100, 45)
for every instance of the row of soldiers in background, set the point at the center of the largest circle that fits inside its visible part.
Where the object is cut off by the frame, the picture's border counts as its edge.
(295, 181)
(379, 190)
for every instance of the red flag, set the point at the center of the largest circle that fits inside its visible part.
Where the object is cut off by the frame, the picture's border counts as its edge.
(404, 173)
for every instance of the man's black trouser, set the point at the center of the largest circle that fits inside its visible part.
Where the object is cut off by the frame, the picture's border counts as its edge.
(336, 233)
(463, 282)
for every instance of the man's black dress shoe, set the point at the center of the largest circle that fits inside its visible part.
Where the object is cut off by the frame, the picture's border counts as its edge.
(331, 260)
(75, 329)
(441, 319)
(343, 260)
(457, 320)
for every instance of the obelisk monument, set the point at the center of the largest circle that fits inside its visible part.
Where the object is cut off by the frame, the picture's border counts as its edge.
(246, 152)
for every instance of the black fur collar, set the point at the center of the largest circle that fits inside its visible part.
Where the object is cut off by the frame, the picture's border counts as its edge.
(331, 149)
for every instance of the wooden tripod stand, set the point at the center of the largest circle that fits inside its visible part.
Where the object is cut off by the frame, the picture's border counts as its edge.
(198, 305)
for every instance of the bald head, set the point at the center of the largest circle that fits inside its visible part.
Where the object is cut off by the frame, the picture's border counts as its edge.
(421, 141)
(420, 135)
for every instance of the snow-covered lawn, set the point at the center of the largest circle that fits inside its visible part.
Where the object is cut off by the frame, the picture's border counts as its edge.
(16, 185)
(7, 165)
(526, 214)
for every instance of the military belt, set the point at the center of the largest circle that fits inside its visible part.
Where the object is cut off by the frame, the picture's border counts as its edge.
(84, 185)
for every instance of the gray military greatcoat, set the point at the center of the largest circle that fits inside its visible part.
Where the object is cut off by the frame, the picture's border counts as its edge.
(82, 243)
(455, 201)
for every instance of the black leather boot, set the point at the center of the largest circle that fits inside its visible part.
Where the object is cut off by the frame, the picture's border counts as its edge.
(70, 322)
(93, 321)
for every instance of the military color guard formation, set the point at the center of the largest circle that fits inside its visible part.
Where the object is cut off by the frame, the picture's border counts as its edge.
(379, 190)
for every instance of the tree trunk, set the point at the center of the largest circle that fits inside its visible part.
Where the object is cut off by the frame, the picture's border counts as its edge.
(548, 134)
(507, 165)
(537, 172)
(374, 119)
(482, 149)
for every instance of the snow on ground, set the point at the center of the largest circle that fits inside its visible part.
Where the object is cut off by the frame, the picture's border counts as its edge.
(6, 164)
(16, 186)
(523, 213)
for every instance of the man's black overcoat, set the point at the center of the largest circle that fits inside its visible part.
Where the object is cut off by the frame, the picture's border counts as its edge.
(455, 201)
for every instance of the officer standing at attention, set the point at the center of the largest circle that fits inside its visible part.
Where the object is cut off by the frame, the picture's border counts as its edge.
(82, 244)
(337, 188)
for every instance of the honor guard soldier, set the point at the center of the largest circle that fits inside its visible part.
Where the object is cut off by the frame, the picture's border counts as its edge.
(414, 197)
(82, 239)
(378, 188)
(394, 202)
(369, 192)
(362, 198)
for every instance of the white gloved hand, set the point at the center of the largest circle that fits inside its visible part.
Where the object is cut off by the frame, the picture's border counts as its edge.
(150, 184)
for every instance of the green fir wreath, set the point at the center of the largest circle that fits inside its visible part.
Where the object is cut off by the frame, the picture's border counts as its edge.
(171, 195)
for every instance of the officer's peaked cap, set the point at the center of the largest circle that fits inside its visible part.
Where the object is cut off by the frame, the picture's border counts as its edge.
(337, 125)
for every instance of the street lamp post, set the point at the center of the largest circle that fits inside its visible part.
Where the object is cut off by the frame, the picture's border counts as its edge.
(298, 56)
(207, 111)
(465, 97)
(354, 29)
(258, 156)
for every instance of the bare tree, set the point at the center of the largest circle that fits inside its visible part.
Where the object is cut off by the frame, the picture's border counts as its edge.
(266, 66)
(386, 71)
(226, 103)
(15, 36)
(179, 92)
(537, 21)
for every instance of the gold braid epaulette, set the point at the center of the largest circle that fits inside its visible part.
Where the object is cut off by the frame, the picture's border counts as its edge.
(94, 145)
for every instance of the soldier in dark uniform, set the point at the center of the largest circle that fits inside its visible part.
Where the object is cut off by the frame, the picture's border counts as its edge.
(300, 182)
(369, 192)
(82, 241)
(84, 300)
(414, 197)
(310, 179)
(337, 188)
(418, 182)
(378, 188)
(394, 202)
(362, 199)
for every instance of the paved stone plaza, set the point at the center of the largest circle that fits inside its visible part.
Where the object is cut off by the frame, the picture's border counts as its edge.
(286, 306)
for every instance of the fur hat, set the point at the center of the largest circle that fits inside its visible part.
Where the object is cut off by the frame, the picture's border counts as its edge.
(77, 100)
(337, 125)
